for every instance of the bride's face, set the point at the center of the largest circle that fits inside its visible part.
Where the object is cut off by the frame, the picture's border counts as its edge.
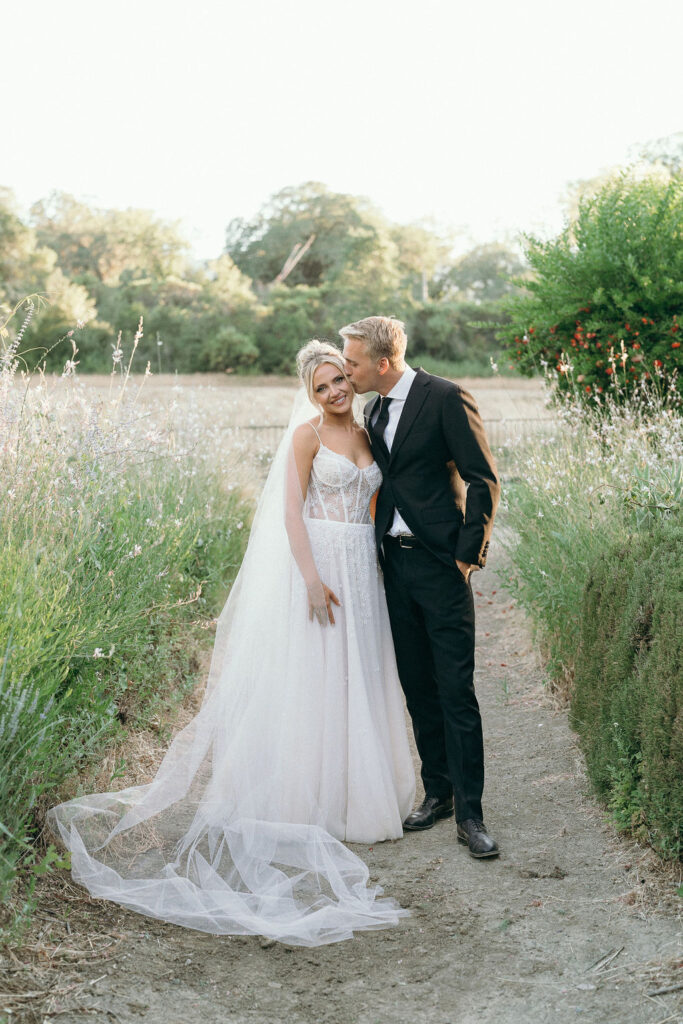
(332, 390)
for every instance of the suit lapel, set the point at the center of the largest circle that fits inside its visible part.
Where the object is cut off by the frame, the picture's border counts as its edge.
(419, 390)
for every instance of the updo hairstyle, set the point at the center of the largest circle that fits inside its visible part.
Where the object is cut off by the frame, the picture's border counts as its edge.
(313, 355)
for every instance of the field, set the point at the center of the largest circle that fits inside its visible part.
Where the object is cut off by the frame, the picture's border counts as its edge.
(223, 412)
(571, 920)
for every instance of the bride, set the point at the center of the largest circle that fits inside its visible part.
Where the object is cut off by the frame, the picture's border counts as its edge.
(300, 742)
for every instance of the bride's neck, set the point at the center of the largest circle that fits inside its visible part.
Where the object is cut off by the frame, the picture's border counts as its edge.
(346, 423)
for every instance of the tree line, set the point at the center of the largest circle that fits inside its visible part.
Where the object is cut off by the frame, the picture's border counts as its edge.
(308, 262)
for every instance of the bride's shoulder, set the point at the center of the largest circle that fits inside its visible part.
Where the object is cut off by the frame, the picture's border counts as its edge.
(306, 436)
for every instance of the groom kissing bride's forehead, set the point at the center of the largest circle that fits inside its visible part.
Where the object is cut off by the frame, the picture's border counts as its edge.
(433, 521)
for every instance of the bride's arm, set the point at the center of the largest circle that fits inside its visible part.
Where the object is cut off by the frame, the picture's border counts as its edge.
(300, 462)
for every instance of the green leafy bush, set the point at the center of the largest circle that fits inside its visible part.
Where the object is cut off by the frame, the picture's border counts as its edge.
(606, 296)
(627, 697)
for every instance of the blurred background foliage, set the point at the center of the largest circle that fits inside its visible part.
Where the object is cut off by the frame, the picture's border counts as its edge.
(310, 261)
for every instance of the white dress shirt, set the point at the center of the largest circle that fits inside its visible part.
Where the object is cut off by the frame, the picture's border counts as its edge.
(398, 395)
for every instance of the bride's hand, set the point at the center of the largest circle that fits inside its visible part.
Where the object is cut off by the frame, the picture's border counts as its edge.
(320, 601)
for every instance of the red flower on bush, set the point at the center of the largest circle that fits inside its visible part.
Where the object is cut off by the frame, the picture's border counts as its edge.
(658, 362)
(609, 370)
(675, 344)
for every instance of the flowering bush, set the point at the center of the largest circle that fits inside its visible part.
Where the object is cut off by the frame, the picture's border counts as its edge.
(606, 298)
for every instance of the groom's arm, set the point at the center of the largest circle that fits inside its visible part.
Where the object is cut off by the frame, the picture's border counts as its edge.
(469, 448)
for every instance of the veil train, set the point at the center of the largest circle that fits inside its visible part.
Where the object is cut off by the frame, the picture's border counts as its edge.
(209, 843)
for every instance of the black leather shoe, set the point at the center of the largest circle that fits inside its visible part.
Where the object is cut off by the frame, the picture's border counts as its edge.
(428, 813)
(477, 838)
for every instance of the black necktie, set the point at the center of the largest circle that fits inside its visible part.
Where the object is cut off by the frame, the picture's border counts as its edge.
(382, 420)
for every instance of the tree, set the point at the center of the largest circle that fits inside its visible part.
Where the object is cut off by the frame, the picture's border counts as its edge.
(101, 244)
(484, 274)
(347, 230)
(666, 152)
(421, 254)
(26, 267)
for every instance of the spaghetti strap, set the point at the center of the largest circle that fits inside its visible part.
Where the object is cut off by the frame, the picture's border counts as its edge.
(316, 432)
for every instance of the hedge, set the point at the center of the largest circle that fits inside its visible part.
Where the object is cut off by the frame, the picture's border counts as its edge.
(627, 700)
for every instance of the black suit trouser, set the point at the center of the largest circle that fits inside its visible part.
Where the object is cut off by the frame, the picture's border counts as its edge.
(431, 610)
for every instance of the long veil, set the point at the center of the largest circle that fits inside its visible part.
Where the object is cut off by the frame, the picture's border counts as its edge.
(208, 844)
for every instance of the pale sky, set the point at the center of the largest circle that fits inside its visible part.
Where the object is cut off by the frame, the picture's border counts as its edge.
(475, 114)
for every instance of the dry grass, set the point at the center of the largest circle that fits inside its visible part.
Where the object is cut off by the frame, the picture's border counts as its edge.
(240, 401)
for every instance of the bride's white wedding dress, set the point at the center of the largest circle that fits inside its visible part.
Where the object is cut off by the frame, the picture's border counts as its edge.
(300, 742)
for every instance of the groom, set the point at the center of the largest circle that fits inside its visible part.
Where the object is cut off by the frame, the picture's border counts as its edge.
(432, 531)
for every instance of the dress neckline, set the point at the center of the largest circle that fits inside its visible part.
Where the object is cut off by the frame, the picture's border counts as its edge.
(361, 469)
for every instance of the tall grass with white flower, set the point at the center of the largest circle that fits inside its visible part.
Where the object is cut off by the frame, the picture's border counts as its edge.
(607, 472)
(597, 508)
(119, 541)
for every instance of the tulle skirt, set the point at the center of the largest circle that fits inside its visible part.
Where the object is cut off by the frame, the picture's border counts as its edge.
(300, 744)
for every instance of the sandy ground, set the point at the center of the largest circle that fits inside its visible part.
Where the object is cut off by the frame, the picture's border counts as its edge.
(525, 939)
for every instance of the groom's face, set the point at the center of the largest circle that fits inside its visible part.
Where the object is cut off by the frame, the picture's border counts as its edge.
(361, 370)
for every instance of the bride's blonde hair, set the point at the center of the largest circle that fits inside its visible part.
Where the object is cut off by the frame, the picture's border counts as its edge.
(313, 355)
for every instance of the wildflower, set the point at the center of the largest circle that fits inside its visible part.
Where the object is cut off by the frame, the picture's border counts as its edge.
(98, 653)
(540, 515)
(675, 344)
(137, 550)
(117, 354)
(238, 526)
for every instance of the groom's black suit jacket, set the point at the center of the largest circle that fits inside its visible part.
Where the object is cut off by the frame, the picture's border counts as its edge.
(439, 447)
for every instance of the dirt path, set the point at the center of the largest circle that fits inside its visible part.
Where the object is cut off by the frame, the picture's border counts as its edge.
(511, 940)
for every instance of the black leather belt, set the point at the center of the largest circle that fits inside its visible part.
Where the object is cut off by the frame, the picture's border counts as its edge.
(404, 540)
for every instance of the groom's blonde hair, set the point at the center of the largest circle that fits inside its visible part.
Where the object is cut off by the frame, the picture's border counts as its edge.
(383, 337)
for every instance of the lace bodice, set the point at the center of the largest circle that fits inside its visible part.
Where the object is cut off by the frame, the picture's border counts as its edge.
(340, 490)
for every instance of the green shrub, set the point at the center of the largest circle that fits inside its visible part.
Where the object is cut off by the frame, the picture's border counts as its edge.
(627, 697)
(606, 296)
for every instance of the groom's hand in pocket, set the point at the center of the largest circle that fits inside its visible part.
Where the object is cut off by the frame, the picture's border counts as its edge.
(465, 568)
